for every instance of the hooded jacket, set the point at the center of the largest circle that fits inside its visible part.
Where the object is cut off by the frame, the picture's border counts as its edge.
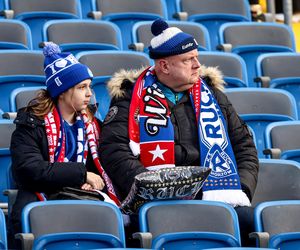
(122, 166)
(31, 168)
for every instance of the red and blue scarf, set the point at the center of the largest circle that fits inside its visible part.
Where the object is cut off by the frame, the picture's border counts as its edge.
(151, 135)
(87, 139)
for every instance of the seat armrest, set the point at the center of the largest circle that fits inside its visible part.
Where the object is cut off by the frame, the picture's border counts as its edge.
(26, 240)
(181, 16)
(262, 238)
(263, 80)
(9, 115)
(275, 153)
(137, 47)
(96, 15)
(144, 238)
(8, 14)
(226, 47)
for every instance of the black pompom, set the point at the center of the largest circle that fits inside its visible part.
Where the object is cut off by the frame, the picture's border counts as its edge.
(158, 26)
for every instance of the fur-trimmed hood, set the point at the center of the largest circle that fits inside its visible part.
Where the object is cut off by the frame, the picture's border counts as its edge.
(116, 90)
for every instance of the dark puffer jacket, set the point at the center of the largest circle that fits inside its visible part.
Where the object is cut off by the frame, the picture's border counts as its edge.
(31, 169)
(122, 166)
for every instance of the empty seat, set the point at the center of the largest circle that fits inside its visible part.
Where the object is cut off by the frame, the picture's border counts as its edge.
(95, 222)
(259, 107)
(14, 34)
(232, 67)
(141, 33)
(36, 12)
(177, 225)
(20, 97)
(6, 129)
(277, 180)
(249, 40)
(280, 71)
(277, 224)
(283, 140)
(19, 68)
(82, 35)
(104, 64)
(213, 13)
(125, 13)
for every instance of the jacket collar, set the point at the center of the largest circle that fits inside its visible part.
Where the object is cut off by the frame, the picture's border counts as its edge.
(121, 81)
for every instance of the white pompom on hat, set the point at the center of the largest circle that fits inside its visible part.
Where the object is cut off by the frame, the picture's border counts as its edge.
(168, 41)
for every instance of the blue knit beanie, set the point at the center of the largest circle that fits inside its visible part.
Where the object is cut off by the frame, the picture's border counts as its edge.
(62, 70)
(169, 41)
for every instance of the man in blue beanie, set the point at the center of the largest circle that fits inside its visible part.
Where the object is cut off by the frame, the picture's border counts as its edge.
(175, 114)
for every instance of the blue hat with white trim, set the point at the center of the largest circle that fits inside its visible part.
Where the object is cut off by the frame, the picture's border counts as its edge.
(62, 70)
(169, 41)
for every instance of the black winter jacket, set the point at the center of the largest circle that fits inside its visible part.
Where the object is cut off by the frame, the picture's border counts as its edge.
(31, 169)
(122, 166)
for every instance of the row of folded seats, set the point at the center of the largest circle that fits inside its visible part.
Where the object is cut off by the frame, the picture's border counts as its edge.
(78, 224)
(125, 13)
(246, 39)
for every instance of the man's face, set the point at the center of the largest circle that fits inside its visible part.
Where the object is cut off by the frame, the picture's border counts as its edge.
(182, 70)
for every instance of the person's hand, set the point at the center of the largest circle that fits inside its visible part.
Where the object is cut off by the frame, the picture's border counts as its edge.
(94, 180)
(87, 186)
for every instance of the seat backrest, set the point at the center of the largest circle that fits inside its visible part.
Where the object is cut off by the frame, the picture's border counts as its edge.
(277, 180)
(184, 216)
(108, 7)
(246, 33)
(20, 97)
(112, 61)
(125, 13)
(48, 217)
(278, 217)
(214, 6)
(232, 67)
(86, 34)
(249, 40)
(67, 6)
(19, 68)
(279, 65)
(14, 34)
(262, 101)
(7, 127)
(283, 135)
(141, 33)
(3, 237)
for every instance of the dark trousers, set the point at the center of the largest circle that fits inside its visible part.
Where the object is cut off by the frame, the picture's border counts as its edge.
(246, 223)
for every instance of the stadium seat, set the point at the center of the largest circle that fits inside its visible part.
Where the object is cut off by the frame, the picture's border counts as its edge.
(6, 129)
(36, 12)
(283, 140)
(249, 40)
(14, 34)
(179, 225)
(19, 68)
(86, 8)
(232, 67)
(3, 237)
(20, 97)
(72, 224)
(280, 71)
(259, 107)
(213, 13)
(125, 13)
(104, 64)
(277, 224)
(277, 180)
(83, 35)
(141, 34)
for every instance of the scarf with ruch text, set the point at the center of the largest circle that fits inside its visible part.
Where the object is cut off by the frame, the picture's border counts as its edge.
(87, 138)
(151, 136)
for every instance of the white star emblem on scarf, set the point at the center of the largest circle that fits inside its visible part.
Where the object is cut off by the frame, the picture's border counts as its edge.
(158, 153)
